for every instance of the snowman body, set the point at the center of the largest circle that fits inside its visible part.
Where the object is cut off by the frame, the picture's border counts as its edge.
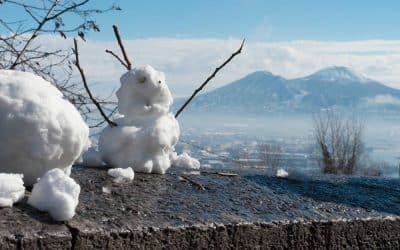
(147, 132)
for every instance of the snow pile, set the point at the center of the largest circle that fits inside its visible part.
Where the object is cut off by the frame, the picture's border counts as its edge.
(57, 194)
(39, 130)
(92, 158)
(281, 173)
(121, 174)
(147, 132)
(12, 189)
(185, 161)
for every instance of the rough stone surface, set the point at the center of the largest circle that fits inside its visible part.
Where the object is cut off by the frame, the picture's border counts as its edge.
(250, 211)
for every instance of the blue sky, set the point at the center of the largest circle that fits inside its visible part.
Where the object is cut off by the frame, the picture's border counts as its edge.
(187, 39)
(261, 20)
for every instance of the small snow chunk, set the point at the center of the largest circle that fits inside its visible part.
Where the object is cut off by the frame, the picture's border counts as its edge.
(121, 174)
(106, 190)
(12, 189)
(192, 173)
(281, 173)
(57, 194)
(92, 158)
(186, 161)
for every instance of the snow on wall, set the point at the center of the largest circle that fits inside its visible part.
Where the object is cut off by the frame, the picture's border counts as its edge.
(12, 189)
(57, 194)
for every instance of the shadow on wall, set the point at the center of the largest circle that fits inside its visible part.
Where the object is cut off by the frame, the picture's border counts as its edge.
(382, 195)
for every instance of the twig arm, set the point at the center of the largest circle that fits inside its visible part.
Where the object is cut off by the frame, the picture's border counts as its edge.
(77, 64)
(209, 79)
(121, 45)
(119, 59)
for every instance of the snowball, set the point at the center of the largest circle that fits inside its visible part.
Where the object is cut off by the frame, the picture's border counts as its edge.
(121, 174)
(92, 158)
(57, 194)
(39, 130)
(12, 189)
(186, 161)
(281, 173)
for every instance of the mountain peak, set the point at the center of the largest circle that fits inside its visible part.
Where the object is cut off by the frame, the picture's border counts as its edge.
(337, 73)
(262, 74)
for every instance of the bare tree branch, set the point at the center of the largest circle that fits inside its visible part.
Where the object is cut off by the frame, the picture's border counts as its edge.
(20, 48)
(77, 64)
(209, 78)
(127, 62)
(34, 34)
(119, 59)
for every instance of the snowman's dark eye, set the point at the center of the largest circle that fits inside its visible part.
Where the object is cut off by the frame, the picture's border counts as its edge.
(159, 81)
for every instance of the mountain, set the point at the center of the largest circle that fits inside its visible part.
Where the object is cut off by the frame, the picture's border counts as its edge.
(333, 87)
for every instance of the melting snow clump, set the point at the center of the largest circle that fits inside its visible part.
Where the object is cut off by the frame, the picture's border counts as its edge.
(39, 129)
(121, 174)
(57, 194)
(12, 189)
(147, 131)
(92, 158)
(282, 173)
(186, 161)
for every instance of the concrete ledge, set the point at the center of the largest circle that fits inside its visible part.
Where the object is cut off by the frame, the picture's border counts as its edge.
(249, 211)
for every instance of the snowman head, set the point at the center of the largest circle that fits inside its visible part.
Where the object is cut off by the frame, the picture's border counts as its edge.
(143, 94)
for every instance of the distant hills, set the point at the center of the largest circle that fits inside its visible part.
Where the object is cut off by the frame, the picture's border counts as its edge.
(333, 87)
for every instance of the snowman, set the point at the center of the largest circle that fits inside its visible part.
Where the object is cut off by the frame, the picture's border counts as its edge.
(146, 131)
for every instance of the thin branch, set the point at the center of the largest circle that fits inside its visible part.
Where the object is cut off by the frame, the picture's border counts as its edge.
(121, 45)
(221, 174)
(119, 59)
(77, 64)
(200, 186)
(72, 7)
(209, 78)
(34, 34)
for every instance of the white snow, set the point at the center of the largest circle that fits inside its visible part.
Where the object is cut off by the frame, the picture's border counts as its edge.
(106, 190)
(57, 194)
(143, 96)
(39, 130)
(281, 173)
(121, 174)
(12, 189)
(185, 161)
(147, 131)
(92, 158)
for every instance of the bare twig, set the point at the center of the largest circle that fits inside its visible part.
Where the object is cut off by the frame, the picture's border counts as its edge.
(200, 186)
(127, 63)
(209, 78)
(34, 34)
(119, 59)
(77, 64)
(221, 174)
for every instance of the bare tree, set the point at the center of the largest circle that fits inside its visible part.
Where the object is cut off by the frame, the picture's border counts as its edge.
(339, 141)
(271, 155)
(20, 49)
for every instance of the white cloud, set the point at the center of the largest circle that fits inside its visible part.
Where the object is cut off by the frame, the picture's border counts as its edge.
(187, 62)
(384, 99)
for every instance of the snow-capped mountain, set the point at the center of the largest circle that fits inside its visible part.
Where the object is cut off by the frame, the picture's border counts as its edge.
(333, 87)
